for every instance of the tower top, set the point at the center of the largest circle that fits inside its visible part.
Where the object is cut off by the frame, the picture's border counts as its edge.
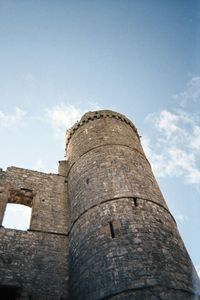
(92, 115)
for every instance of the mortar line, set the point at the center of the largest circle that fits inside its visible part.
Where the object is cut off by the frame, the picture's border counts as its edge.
(147, 287)
(119, 198)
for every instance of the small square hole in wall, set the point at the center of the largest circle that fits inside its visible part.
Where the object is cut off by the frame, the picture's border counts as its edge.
(17, 216)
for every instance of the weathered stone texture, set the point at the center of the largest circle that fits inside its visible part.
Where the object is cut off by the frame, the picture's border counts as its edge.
(103, 215)
(144, 252)
(123, 241)
(49, 206)
(36, 262)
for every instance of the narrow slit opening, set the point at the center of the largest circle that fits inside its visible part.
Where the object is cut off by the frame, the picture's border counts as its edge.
(135, 201)
(112, 230)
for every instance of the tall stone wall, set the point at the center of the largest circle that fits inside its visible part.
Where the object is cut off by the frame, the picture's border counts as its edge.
(123, 241)
(35, 262)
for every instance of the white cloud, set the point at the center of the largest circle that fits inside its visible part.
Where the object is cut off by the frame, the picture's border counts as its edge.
(191, 92)
(195, 141)
(166, 122)
(173, 144)
(9, 120)
(176, 145)
(64, 116)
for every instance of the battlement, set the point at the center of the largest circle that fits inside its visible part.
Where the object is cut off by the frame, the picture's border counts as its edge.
(99, 114)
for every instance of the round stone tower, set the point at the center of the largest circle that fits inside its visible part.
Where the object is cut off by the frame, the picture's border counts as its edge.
(123, 240)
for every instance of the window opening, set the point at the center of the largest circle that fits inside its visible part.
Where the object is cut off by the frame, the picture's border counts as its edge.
(18, 210)
(17, 216)
(112, 230)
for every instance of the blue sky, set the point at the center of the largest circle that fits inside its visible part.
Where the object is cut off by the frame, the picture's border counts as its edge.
(141, 58)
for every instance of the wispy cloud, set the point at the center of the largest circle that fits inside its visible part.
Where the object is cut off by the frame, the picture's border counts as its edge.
(173, 145)
(176, 145)
(190, 93)
(9, 120)
(63, 116)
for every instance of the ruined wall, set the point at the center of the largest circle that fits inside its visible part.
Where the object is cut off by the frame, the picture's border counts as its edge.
(49, 204)
(36, 260)
(123, 241)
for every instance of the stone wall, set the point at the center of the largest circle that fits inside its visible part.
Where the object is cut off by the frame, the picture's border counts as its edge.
(35, 261)
(49, 205)
(123, 241)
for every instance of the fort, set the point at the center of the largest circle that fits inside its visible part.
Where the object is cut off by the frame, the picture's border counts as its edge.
(99, 229)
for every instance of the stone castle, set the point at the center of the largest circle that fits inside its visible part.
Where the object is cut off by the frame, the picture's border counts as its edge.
(100, 228)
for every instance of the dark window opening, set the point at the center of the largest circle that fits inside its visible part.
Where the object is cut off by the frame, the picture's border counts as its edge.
(9, 292)
(112, 230)
(135, 201)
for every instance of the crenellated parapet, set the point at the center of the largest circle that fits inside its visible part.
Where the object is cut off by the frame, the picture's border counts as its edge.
(100, 114)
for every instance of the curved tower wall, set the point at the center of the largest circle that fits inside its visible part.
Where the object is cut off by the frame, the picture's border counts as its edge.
(124, 242)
